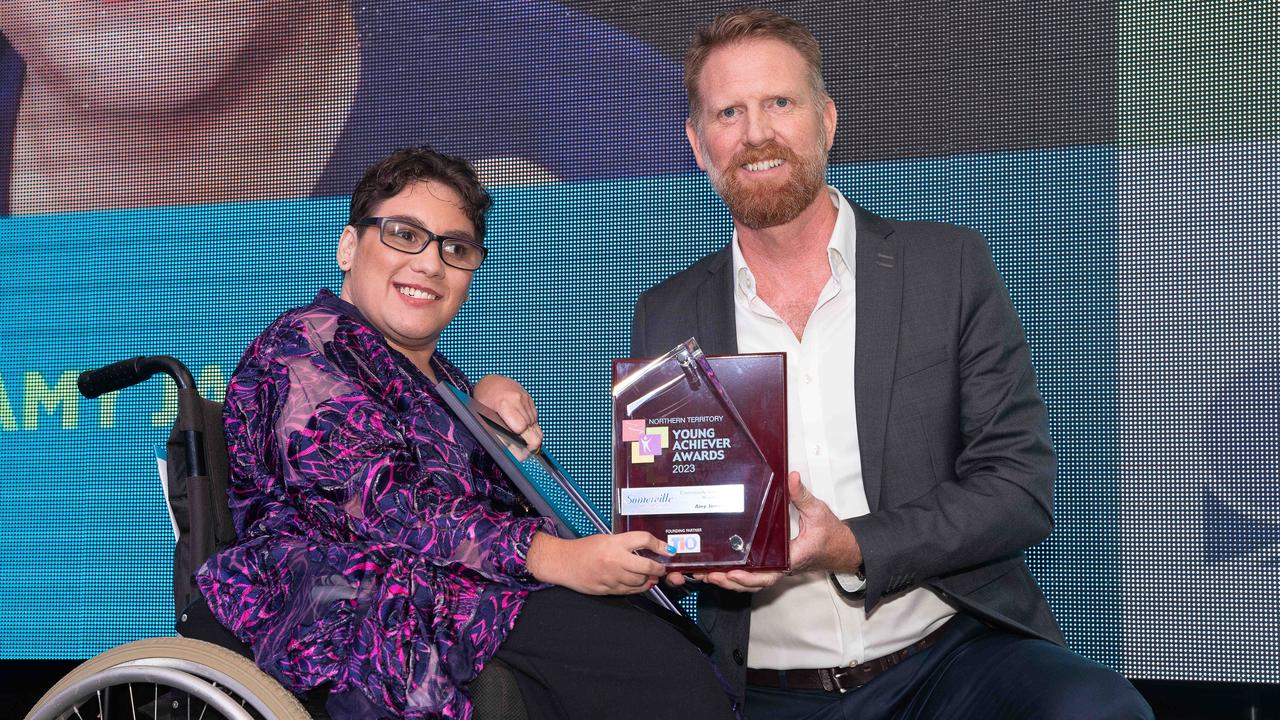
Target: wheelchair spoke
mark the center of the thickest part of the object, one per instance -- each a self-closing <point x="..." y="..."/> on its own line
<point x="222" y="690"/>
<point x="217" y="687"/>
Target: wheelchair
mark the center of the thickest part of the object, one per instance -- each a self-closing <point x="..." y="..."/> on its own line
<point x="205" y="671"/>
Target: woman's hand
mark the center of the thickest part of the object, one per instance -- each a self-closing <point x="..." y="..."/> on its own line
<point x="514" y="406"/>
<point x="597" y="564"/>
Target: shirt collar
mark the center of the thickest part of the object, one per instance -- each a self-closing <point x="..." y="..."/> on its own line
<point x="840" y="248"/>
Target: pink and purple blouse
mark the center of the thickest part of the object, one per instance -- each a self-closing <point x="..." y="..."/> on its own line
<point x="378" y="548"/>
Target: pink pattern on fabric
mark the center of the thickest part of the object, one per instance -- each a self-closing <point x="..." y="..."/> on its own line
<point x="379" y="549"/>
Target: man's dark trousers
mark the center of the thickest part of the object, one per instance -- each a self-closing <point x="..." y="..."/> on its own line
<point x="973" y="672"/>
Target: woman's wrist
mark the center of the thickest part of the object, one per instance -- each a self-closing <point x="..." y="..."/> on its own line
<point x="545" y="558"/>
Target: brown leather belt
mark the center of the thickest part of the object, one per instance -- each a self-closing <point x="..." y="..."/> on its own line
<point x="841" y="679"/>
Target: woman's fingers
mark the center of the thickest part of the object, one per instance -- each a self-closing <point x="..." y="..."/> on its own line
<point x="532" y="436"/>
<point x="514" y="406"/>
<point x="641" y="540"/>
<point x="648" y="548"/>
<point x="519" y="415"/>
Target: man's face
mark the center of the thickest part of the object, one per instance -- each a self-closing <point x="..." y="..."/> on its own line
<point x="761" y="134"/>
<point x="158" y="56"/>
<point x="409" y="298"/>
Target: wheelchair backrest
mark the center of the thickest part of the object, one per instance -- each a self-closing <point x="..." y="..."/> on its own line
<point x="217" y="528"/>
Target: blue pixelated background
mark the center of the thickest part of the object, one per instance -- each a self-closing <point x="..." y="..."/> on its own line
<point x="1120" y="157"/>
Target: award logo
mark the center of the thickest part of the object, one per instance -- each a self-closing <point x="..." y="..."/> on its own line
<point x="646" y="442"/>
<point x="687" y="542"/>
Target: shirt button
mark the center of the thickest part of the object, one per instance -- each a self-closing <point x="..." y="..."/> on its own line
<point x="817" y="449"/>
<point x="808" y="378"/>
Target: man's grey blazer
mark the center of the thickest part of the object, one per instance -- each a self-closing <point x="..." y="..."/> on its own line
<point x="954" y="437"/>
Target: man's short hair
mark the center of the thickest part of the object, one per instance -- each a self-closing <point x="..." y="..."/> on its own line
<point x="394" y="173"/>
<point x="743" y="25"/>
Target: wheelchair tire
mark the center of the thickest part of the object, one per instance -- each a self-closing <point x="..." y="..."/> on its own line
<point x="214" y="665"/>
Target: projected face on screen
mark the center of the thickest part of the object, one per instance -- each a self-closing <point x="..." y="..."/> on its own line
<point x="238" y="100"/>
<point x="144" y="57"/>
<point x="176" y="102"/>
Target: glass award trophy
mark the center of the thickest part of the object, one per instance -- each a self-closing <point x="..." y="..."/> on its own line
<point x="699" y="456"/>
<point x="551" y="492"/>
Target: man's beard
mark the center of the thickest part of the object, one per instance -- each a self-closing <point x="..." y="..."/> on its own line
<point x="766" y="204"/>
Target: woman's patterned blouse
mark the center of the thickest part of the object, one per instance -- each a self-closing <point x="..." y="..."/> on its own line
<point x="378" y="549"/>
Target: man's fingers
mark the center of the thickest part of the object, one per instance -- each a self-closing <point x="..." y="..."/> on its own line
<point x="800" y="495"/>
<point x="720" y="579"/>
<point x="756" y="580"/>
<point x="743" y="581"/>
<point x="809" y="505"/>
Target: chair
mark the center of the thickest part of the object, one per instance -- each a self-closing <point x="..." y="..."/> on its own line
<point x="205" y="671"/>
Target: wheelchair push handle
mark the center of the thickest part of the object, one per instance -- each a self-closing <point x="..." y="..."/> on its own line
<point x="125" y="373"/>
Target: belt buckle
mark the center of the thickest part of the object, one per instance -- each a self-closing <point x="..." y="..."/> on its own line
<point x="832" y="680"/>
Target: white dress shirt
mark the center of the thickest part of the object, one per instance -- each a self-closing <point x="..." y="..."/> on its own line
<point x="802" y="621"/>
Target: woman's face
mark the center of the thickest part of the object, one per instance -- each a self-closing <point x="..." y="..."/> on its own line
<point x="408" y="298"/>
<point x="140" y="57"/>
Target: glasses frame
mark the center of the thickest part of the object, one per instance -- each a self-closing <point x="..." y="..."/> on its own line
<point x="380" y="223"/>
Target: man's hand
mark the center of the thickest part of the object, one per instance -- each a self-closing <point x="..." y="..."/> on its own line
<point x="513" y="405"/>
<point x="823" y="543"/>
<point x="736" y="580"/>
<point x="597" y="564"/>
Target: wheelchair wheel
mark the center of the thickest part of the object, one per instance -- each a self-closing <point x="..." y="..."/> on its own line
<point x="163" y="678"/>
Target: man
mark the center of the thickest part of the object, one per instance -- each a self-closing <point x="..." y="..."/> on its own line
<point x="920" y="441"/>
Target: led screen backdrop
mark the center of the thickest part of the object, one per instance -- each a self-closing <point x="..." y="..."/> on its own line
<point x="173" y="176"/>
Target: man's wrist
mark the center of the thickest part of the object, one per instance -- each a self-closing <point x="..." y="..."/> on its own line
<point x="850" y="559"/>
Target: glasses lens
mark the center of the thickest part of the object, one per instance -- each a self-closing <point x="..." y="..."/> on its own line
<point x="402" y="236"/>
<point x="460" y="253"/>
<point x="405" y="237"/>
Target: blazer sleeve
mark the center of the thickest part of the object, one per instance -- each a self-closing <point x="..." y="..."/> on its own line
<point x="999" y="500"/>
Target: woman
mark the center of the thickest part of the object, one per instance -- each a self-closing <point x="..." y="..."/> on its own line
<point x="379" y="551"/>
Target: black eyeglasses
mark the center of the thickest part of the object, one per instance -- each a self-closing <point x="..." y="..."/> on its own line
<point x="411" y="238"/>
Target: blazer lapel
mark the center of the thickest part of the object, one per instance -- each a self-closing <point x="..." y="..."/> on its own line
<point x="879" y="308"/>
<point x="717" y="328"/>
